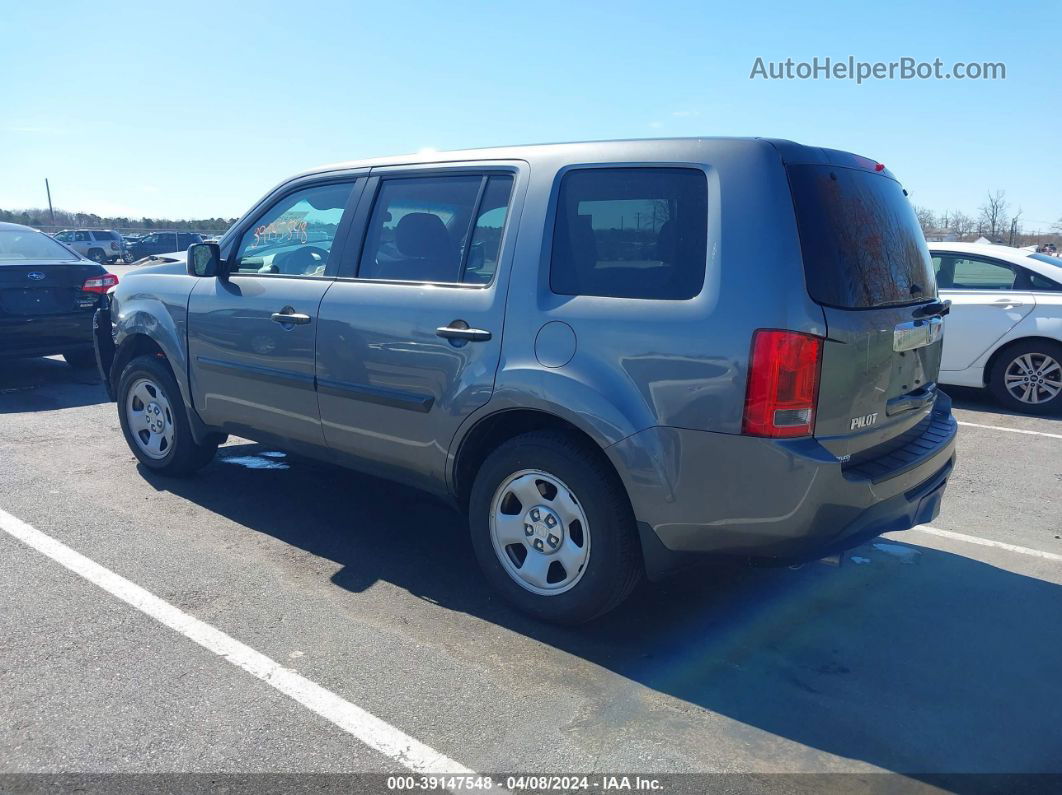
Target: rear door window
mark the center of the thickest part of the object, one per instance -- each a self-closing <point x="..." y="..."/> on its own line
<point x="631" y="233"/>
<point x="1038" y="282"/>
<point x="861" y="242"/>
<point x="443" y="229"/>
<point x="485" y="246"/>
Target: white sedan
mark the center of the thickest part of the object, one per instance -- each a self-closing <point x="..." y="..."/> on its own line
<point x="1004" y="331"/>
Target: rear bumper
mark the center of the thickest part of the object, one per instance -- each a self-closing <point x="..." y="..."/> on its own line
<point x="45" y="335"/>
<point x="790" y="500"/>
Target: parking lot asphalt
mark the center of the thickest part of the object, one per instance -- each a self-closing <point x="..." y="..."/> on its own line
<point x="924" y="653"/>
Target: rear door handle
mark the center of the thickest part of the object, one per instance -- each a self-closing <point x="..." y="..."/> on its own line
<point x="290" y="318"/>
<point x="1007" y="303"/>
<point x="453" y="332"/>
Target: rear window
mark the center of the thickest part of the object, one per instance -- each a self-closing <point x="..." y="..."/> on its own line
<point x="631" y="233"/>
<point x="19" y="244"/>
<point x="861" y="242"/>
<point x="1048" y="259"/>
<point x="105" y="235"/>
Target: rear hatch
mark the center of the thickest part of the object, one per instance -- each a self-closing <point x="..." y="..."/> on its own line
<point x="45" y="288"/>
<point x="866" y="264"/>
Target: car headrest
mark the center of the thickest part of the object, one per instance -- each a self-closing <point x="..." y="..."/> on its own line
<point x="667" y="242"/>
<point x="422" y="235"/>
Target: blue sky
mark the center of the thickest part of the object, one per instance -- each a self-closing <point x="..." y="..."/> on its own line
<point x="195" y="109"/>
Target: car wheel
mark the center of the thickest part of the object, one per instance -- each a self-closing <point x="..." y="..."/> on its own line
<point x="552" y="528"/>
<point x="80" y="360"/>
<point x="1027" y="377"/>
<point x="154" y="420"/>
<point x="97" y="255"/>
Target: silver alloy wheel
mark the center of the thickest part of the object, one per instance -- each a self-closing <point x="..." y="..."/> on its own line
<point x="1033" y="378"/>
<point x="539" y="532"/>
<point x="150" y="418"/>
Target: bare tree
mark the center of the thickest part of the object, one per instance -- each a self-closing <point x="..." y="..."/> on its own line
<point x="961" y="224"/>
<point x="926" y="219"/>
<point x="993" y="219"/>
<point x="1057" y="226"/>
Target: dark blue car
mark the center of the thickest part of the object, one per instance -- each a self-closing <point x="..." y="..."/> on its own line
<point x="48" y="294"/>
<point x="163" y="243"/>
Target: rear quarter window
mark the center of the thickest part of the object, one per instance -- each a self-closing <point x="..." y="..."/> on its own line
<point x="631" y="233"/>
<point x="861" y="242"/>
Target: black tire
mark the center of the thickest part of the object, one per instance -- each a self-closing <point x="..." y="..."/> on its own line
<point x="80" y="360"/>
<point x="614" y="566"/>
<point x="1008" y="356"/>
<point x="97" y="255"/>
<point x="185" y="456"/>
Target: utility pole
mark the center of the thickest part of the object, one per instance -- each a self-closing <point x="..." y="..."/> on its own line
<point x="51" y="212"/>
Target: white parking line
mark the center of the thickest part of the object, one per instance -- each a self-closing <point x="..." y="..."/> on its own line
<point x="366" y="727"/>
<point x="1012" y="430"/>
<point x="987" y="542"/>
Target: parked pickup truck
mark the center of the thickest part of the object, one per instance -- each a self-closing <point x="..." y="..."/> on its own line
<point x="616" y="357"/>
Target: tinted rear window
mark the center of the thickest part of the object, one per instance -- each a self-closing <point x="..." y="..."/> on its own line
<point x="1048" y="259"/>
<point x="105" y="235"/>
<point x="26" y="244"/>
<point x="631" y="233"/>
<point x="861" y="242"/>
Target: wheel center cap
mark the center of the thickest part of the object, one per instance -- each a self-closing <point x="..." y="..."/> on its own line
<point x="543" y="529"/>
<point x="156" y="420"/>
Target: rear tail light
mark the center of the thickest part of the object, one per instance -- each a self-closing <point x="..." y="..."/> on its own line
<point x="100" y="284"/>
<point x="783" y="385"/>
<point x="114" y="245"/>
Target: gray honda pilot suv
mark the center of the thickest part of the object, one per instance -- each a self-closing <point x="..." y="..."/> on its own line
<point x="616" y="357"/>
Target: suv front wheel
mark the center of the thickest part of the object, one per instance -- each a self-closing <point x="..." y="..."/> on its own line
<point x="154" y="420"/>
<point x="552" y="528"/>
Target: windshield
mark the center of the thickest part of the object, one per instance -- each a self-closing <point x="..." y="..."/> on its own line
<point x="28" y="244"/>
<point x="860" y="239"/>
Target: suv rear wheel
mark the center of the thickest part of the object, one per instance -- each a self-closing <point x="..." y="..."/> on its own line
<point x="154" y="420"/>
<point x="1027" y="377"/>
<point x="552" y="528"/>
<point x="97" y="255"/>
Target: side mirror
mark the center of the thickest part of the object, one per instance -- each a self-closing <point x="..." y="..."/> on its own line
<point x="204" y="260"/>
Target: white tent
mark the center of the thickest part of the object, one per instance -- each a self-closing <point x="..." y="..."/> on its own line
<point x="982" y="240"/>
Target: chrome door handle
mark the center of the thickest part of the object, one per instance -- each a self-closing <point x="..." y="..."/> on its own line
<point x="290" y="318"/>
<point x="468" y="334"/>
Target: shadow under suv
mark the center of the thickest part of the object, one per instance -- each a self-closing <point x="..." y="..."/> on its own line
<point x="616" y="357"/>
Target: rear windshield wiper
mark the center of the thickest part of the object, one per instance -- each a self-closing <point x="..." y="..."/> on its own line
<point x="937" y="308"/>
